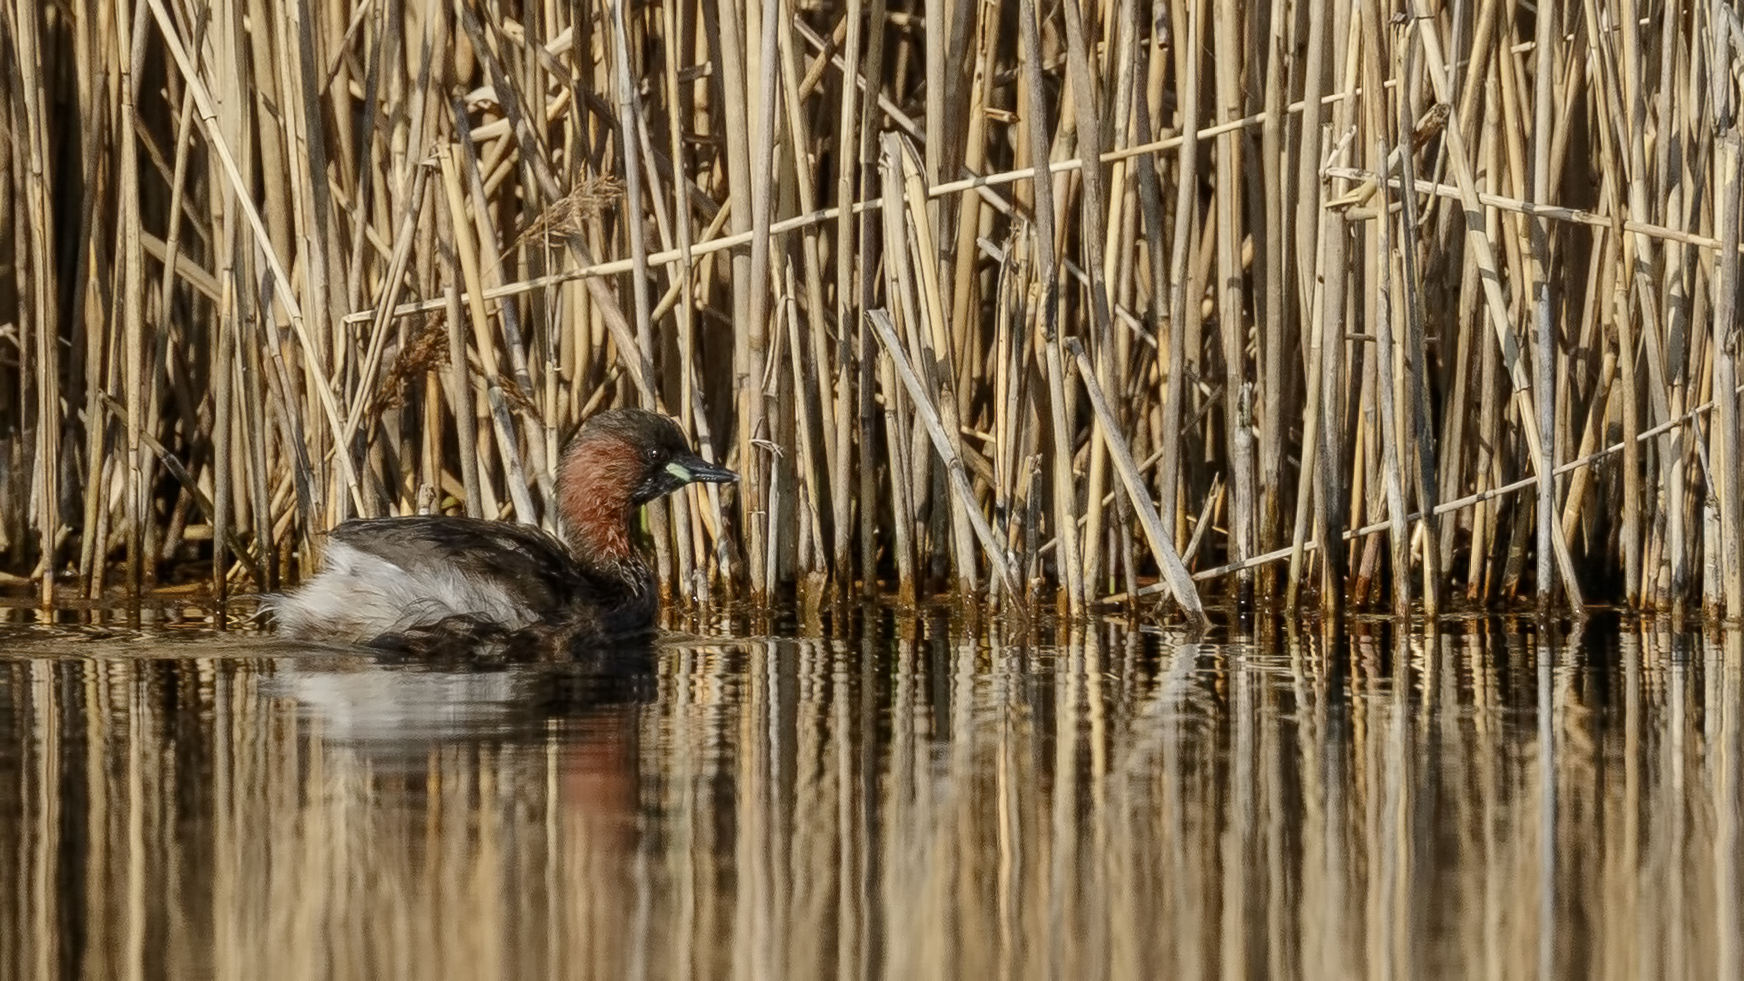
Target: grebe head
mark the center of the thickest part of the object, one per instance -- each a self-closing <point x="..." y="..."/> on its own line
<point x="619" y="460"/>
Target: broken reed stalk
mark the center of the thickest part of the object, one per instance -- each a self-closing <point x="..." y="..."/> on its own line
<point x="944" y="445"/>
<point x="1174" y="572"/>
<point x="1338" y="283"/>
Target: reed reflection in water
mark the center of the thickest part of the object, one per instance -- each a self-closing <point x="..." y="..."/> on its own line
<point x="924" y="802"/>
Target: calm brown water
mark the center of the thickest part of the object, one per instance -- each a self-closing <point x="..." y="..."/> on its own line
<point x="922" y="802"/>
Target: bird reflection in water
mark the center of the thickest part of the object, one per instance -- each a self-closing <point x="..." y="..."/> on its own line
<point x="413" y="717"/>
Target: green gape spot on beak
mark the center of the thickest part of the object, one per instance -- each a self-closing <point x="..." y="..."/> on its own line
<point x="688" y="468"/>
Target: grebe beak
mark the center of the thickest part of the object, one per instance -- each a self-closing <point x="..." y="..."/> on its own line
<point x="688" y="469"/>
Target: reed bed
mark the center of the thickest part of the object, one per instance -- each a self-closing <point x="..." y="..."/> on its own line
<point x="1279" y="305"/>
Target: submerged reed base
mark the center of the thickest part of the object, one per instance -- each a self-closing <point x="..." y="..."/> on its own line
<point x="1397" y="307"/>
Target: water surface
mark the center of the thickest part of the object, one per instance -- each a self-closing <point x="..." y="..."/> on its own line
<point x="921" y="801"/>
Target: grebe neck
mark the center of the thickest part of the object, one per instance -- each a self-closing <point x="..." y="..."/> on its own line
<point x="594" y="484"/>
<point x="605" y="546"/>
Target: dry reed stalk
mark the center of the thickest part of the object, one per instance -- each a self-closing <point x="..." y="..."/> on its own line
<point x="1647" y="274"/>
<point x="1309" y="238"/>
<point x="1543" y="334"/>
<point x="810" y="454"/>
<point x="1332" y="490"/>
<point x="466" y="250"/>
<point x="1186" y="221"/>
<point x="93" y="552"/>
<point x="933" y="350"/>
<point x="850" y="346"/>
<point x="132" y="293"/>
<point x="901" y="491"/>
<point x="968" y="288"/>
<point x="814" y="370"/>
<point x="945" y="446"/>
<point x="1730" y="449"/>
<point x="38" y="323"/>
<point x="1093" y="204"/>
<point x="693" y="559"/>
<point x="729" y="35"/>
<point x="1238" y="407"/>
<point x="1387" y="369"/>
<point x="1150" y="63"/>
<point x="459" y="387"/>
<point x="1278" y="326"/>
<point x="1418" y="419"/>
<point x="1174" y="572"/>
<point x="1064" y="491"/>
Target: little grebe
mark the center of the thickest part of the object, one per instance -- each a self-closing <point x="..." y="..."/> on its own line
<point x="434" y="581"/>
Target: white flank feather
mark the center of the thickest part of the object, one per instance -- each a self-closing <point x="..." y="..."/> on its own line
<point x="359" y="596"/>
